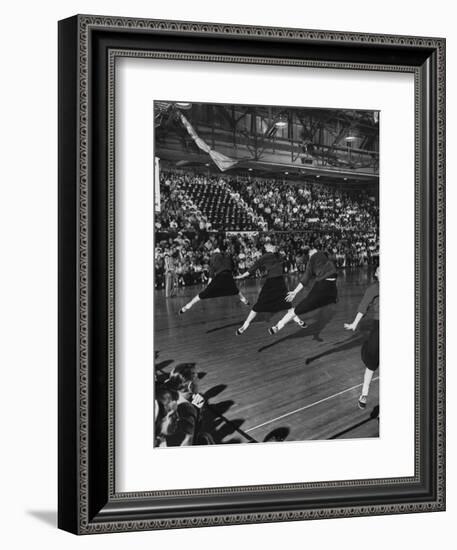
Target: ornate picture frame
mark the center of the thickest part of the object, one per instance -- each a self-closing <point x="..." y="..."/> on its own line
<point x="88" y="48"/>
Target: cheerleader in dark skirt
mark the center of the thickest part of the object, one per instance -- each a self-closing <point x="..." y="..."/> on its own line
<point x="221" y="282"/>
<point x="370" y="348"/>
<point x="272" y="297"/>
<point x="323" y="292"/>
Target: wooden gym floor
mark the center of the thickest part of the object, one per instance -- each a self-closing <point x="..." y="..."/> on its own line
<point x="299" y="384"/>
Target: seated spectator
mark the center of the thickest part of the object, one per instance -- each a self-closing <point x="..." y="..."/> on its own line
<point x="184" y="381"/>
<point x="166" y="414"/>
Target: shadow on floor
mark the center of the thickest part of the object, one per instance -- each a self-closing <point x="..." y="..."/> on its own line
<point x="45" y="516"/>
<point x="214" y="391"/>
<point x="163" y="364"/>
<point x="348" y="344"/>
<point x="214" y="420"/>
<point x="260" y="318"/>
<point x="325" y="315"/>
<point x="216" y="423"/>
<point x="231" y="325"/>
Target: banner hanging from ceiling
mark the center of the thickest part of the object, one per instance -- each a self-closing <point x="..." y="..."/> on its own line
<point x="220" y="160"/>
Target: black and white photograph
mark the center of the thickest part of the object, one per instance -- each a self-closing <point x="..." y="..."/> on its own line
<point x="267" y="273"/>
<point x="225" y="223"/>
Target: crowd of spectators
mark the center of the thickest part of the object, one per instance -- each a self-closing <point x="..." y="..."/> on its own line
<point x="223" y="208"/>
<point x="177" y="210"/>
<point x="292" y="214"/>
<point x="180" y="409"/>
<point x="190" y="256"/>
<point x="291" y="206"/>
<point x="195" y="202"/>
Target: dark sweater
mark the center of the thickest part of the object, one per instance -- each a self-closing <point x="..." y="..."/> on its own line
<point x="218" y="263"/>
<point x="272" y="264"/>
<point x="320" y="267"/>
<point x="187" y="424"/>
<point x="370" y="299"/>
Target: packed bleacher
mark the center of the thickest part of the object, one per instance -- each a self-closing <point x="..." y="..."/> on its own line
<point x="199" y="213"/>
<point x="296" y="206"/>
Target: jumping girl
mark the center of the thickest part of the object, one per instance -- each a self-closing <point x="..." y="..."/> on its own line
<point x="221" y="282"/>
<point x="322" y="293"/>
<point x="272" y="297"/>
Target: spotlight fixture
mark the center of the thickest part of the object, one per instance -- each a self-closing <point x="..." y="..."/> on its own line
<point x="345" y="179"/>
<point x="184" y="106"/>
<point x="350" y="138"/>
<point x="318" y="176"/>
<point x="281" y="121"/>
<point x="250" y="169"/>
<point x="287" y="173"/>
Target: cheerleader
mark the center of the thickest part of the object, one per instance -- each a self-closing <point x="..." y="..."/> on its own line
<point x="220" y="283"/>
<point x="370" y="348"/>
<point x="272" y="297"/>
<point x="323" y="292"/>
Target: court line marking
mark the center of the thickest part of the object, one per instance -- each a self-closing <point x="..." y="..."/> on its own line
<point x="306" y="407"/>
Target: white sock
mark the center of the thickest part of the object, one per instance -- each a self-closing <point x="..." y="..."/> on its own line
<point x="191" y="303"/>
<point x="249" y="319"/>
<point x="367" y="381"/>
<point x="283" y="322"/>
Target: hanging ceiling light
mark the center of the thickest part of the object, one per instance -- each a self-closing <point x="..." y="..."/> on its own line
<point x="350" y="138"/>
<point x="281" y="121"/>
<point x="184" y="106"/>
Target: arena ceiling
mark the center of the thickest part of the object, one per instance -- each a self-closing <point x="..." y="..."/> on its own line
<point x="271" y="140"/>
